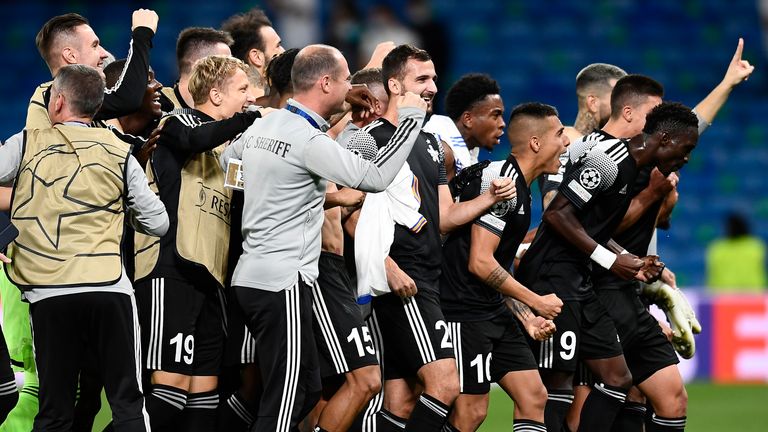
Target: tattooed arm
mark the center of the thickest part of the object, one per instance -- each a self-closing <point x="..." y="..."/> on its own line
<point x="537" y="327"/>
<point x="483" y="264"/>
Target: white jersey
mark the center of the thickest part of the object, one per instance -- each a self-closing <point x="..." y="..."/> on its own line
<point x="445" y="130"/>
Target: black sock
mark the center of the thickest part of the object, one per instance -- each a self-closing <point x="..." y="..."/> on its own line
<point x="318" y="429"/>
<point x="235" y="414"/>
<point x="558" y="404"/>
<point x="665" y="424"/>
<point x="388" y="422"/>
<point x="448" y="427"/>
<point x="630" y="419"/>
<point x="164" y="404"/>
<point x="200" y="412"/>
<point x="9" y="395"/>
<point x="525" y="425"/>
<point x="429" y="415"/>
<point x="601" y="407"/>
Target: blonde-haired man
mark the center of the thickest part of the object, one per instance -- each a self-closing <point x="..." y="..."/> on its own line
<point x="180" y="276"/>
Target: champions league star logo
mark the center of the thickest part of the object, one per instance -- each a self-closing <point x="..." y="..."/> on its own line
<point x="589" y="178"/>
<point x="501" y="208"/>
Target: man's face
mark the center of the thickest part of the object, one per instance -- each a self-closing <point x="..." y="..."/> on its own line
<point x="675" y="149"/>
<point x="235" y="94"/>
<point x="419" y="78"/>
<point x="487" y="121"/>
<point x="340" y="85"/>
<point x="272" y="44"/>
<point x="151" y="102"/>
<point x="640" y="112"/>
<point x="552" y="142"/>
<point x="88" y="49"/>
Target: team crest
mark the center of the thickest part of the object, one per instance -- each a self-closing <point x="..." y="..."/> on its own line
<point x="589" y="178"/>
<point x="434" y="153"/>
<point x="501" y="208"/>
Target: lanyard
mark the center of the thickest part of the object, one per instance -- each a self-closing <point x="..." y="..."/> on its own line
<point x="301" y="112"/>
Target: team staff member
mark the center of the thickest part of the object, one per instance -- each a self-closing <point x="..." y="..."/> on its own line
<point x="180" y="276"/>
<point x="69" y="267"/>
<point x="286" y="159"/>
<point x="488" y="344"/>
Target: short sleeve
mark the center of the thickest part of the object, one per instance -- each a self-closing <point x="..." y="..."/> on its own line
<point x="595" y="174"/>
<point x="496" y="218"/>
<point x="363" y="144"/>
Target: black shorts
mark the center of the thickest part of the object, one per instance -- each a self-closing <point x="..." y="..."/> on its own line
<point x="646" y="349"/>
<point x="240" y="346"/>
<point x="182" y="326"/>
<point x="343" y="339"/>
<point x="487" y="350"/>
<point x="584" y="331"/>
<point x="281" y="323"/>
<point x="413" y="330"/>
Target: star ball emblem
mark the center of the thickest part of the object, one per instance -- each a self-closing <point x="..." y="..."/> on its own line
<point x="589" y="178"/>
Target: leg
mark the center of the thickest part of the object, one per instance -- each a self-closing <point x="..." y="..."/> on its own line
<point x="57" y="324"/>
<point x="631" y="418"/>
<point x="89" y="400"/>
<point x="469" y="411"/>
<point x="666" y="392"/>
<point x="359" y="387"/>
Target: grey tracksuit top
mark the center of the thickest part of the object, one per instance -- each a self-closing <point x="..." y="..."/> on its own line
<point x="286" y="161"/>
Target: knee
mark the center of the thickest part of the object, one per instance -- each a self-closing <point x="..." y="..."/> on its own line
<point x="531" y="405"/>
<point x="679" y="404"/>
<point x="477" y="413"/>
<point x="366" y="380"/>
<point x="441" y="381"/>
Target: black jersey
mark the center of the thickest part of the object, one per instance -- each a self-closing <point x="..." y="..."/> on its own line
<point x="598" y="185"/>
<point x="419" y="254"/>
<point x="464" y="297"/>
<point x="182" y="136"/>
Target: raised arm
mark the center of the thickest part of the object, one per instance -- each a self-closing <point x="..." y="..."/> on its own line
<point x="126" y="95"/>
<point x="738" y="70"/>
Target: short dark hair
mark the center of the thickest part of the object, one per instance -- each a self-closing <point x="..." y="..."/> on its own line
<point x="245" y="29"/>
<point x="112" y="72"/>
<point x="670" y="117"/>
<point x="53" y="29"/>
<point x="467" y="92"/>
<point x="393" y="65"/>
<point x="597" y="76"/>
<point x="632" y="90"/>
<point x="194" y="43"/>
<point x="83" y="88"/>
<point x="535" y="110"/>
<point x="311" y="63"/>
<point x="370" y="76"/>
<point x="279" y="70"/>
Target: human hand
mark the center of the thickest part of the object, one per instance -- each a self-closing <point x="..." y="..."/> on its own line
<point x="627" y="266"/>
<point x="548" y="306"/>
<point x="381" y="51"/>
<point x="738" y="69"/>
<point x="411" y="100"/>
<point x="540" y="329"/>
<point x="145" y="18"/>
<point x="502" y="189"/>
<point x="400" y="283"/>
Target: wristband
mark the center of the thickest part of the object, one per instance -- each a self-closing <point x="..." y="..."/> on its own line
<point x="603" y="257"/>
<point x="623" y="252"/>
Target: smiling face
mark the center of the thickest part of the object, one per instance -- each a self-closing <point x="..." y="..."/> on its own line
<point x="235" y="96"/>
<point x="87" y="48"/>
<point x="273" y="45"/>
<point x="487" y="122"/>
<point x="419" y="77"/>
<point x="151" y="102"/>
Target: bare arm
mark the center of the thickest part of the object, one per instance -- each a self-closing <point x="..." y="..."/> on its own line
<point x="657" y="189"/>
<point x="483" y="264"/>
<point x="738" y="70"/>
<point x="454" y="215"/>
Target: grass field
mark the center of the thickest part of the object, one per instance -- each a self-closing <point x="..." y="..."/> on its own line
<point x="711" y="408"/>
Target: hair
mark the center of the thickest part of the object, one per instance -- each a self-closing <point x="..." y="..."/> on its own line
<point x="536" y="110"/>
<point x="670" y="117"/>
<point x="83" y="88"/>
<point x="311" y="63"/>
<point x="279" y="70"/>
<point x="596" y="78"/>
<point x="53" y="29"/>
<point x="632" y="90"/>
<point x="211" y="72"/>
<point x="245" y="29"/>
<point x="468" y="91"/>
<point x="370" y="76"/>
<point x="113" y="70"/>
<point x="736" y="226"/>
<point x="195" y="43"/>
<point x="393" y="65"/>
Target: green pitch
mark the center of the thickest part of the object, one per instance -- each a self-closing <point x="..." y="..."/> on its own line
<point x="742" y="408"/>
<point x="711" y="407"/>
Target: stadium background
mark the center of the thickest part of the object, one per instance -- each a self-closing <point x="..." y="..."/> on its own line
<point x="534" y="49"/>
